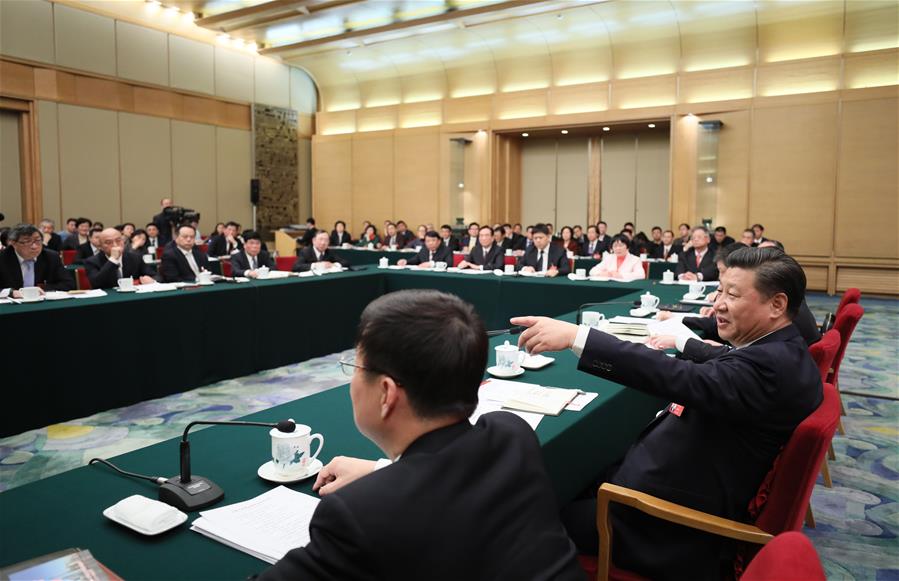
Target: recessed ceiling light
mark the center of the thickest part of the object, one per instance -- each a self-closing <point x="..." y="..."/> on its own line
<point x="564" y="132"/>
<point x="709" y="179"/>
<point x="652" y="125"/>
<point x="606" y="128"/>
<point x="171" y="11"/>
<point x="524" y="134"/>
<point x="223" y="38"/>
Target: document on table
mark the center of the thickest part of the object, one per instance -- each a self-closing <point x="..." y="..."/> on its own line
<point x="266" y="527"/>
<point x="486" y="406"/>
<point x="527" y="397"/>
<point x="91" y="294"/>
<point x="672" y="326"/>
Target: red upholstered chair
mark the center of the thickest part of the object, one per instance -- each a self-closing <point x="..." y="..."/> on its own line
<point x="850" y="297"/>
<point x="81" y="278"/>
<point x="789" y="556"/>
<point x="645" y="269"/>
<point x="68" y="256"/>
<point x="204" y="248"/>
<point x="159" y="250"/>
<point x="824" y="352"/>
<point x="509" y="260"/>
<point x="226" y="267"/>
<point x="845" y="323"/>
<point x="285" y="262"/>
<point x="780" y="505"/>
<point x="457" y="258"/>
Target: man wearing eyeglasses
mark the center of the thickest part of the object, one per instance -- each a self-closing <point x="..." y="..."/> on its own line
<point x="455" y="500"/>
<point x="26" y="263"/>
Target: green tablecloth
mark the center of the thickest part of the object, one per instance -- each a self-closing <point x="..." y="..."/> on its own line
<point x="362" y="257"/>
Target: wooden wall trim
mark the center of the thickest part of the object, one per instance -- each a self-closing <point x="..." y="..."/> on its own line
<point x="29" y="158"/>
<point x="48" y="83"/>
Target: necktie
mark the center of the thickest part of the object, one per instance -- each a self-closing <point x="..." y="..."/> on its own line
<point x="120" y="266"/>
<point x="698" y="260"/>
<point x="592" y="247"/>
<point x="28" y="273"/>
<point x="539" y="260"/>
<point x="253" y="263"/>
<point x="431" y="257"/>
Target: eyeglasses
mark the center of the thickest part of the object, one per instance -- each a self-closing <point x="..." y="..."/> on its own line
<point x="349" y="367"/>
<point x="33" y="242"/>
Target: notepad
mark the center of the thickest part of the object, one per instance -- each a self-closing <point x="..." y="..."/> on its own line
<point x="527" y="397"/>
<point x="266" y="527"/>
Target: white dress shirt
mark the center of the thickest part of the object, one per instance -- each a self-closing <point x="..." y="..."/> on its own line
<point x="191" y="261"/>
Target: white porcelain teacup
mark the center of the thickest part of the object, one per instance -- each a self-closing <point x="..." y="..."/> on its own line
<point x="205" y="277"/>
<point x="509" y="268"/>
<point x="644" y="256"/>
<point x="649" y="301"/>
<point x="440" y="266"/>
<point x="291" y="451"/>
<point x="383" y="262"/>
<point x="509" y="357"/>
<point x="262" y="272"/>
<point x="697" y="288"/>
<point x="126" y="283"/>
<point x="580" y="272"/>
<point x="668" y="276"/>
<point x="30" y="293"/>
<point x="592" y="319"/>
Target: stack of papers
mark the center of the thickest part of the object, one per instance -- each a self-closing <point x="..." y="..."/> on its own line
<point x="91" y="294"/>
<point x="635" y="329"/>
<point x="155" y="287"/>
<point x="266" y="527"/>
<point x="526" y="397"/>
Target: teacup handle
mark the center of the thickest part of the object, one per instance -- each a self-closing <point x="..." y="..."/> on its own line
<point x="321" y="444"/>
<point x="655" y="302"/>
<point x="521" y="357"/>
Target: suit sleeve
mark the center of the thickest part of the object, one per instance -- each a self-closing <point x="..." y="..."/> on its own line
<point x="336" y="550"/>
<point x="681" y="267"/>
<point x="731" y="388"/>
<point x="707" y="325"/>
<point x="807" y="325"/>
<point x="237" y="268"/>
<point x="709" y="269"/>
<point x="341" y="261"/>
<point x="563" y="264"/>
<point x="700" y="351"/>
<point x="498" y="260"/>
<point x="168" y="270"/>
<point x="106" y="276"/>
<point x="302" y="264"/>
<point x="59" y="278"/>
<point x="415" y="258"/>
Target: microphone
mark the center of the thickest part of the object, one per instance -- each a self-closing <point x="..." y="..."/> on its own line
<point x="511" y="331"/>
<point x="188" y="492"/>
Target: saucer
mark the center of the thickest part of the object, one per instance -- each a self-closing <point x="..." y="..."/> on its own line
<point x="37" y="300"/>
<point x="664" y="282"/>
<point x="267" y="472"/>
<point x="536" y="361"/>
<point x="126" y="290"/>
<point x="210" y="283"/>
<point x="642" y="312"/>
<point x="496" y="372"/>
<point x="694" y="296"/>
<point x="601" y="278"/>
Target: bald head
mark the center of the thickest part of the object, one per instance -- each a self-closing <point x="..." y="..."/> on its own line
<point x="110" y="238"/>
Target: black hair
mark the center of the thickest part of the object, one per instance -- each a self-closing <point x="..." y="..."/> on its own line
<point x="93" y="230"/>
<point x="470" y="224"/>
<point x="432" y="344"/>
<point x="232" y="223"/>
<point x="654" y="228"/>
<point x="775" y="272"/>
<point x="310" y="220"/>
<point x="486" y="227"/>
<point x="759" y="226"/>
<point x="540" y="228"/>
<point x="81" y="221"/>
<point x="620" y="238"/>
<point x="20" y="230"/>
<point x="254" y="235"/>
<point x="432" y="234"/>
<point x="721" y="229"/>
<point x="601" y="222"/>
<point x="725" y="251"/>
<point x="185" y="225"/>
<point x="445" y="227"/>
<point x="340" y="222"/>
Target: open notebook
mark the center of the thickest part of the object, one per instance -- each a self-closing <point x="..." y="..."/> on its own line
<point x="527" y="397"/>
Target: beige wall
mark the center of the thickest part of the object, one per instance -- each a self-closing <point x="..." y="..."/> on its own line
<point x="10" y="172"/>
<point x="635" y="178"/>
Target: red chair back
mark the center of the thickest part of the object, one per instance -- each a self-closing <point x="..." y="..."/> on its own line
<point x="509" y="260"/>
<point x="84" y="283"/>
<point x="824" y="352"/>
<point x="645" y="269"/>
<point x="787" y="557"/>
<point x="159" y="252"/>
<point x="285" y="262"/>
<point x="204" y="248"/>
<point x="850" y="297"/>
<point x="226" y="267"/>
<point x="457" y="258"/>
<point x="845" y="324"/>
<point x="789" y="484"/>
<point x="68" y="256"/>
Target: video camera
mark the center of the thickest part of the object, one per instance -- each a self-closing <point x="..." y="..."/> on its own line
<point x="179" y="215"/>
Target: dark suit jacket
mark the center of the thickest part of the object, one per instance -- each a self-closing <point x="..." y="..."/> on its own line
<point x="557" y="258"/>
<point x="463" y="503"/>
<point x="659" y="251"/>
<point x="84" y="252"/>
<point x="218" y="245"/>
<point x="714" y="246"/>
<point x="71" y="243"/>
<point x="55" y="243"/>
<point x="104" y="274"/>
<point x="442" y="254"/>
<point x="306" y="258"/>
<point x="519" y="241"/>
<point x="339" y="239"/>
<point x="739" y="410"/>
<point x="453" y="244"/>
<point x="687" y="263"/>
<point x="804" y="322"/>
<point x="49" y="271"/>
<point x="492" y="261"/>
<point x="175" y="268"/>
<point x="598" y="249"/>
<point x="164" y="227"/>
<point x="240" y="263"/>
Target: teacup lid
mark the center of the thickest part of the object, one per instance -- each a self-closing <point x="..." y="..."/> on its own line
<point x="507" y="347"/>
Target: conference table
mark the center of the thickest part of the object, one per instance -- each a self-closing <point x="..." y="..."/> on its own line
<point x="65" y="510"/>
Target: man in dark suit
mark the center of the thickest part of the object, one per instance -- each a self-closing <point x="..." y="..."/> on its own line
<point x="51" y="238"/>
<point x="433" y="251"/>
<point x="25" y="262"/>
<point x="450" y="241"/>
<point x="667" y="247"/>
<point x="165" y="225"/>
<point x="80" y="236"/>
<point x="470" y="240"/>
<point x="252" y="257"/>
<point x="592" y="246"/>
<point x="544" y="256"/>
<point x="733" y="413"/>
<point x="758" y="234"/>
<point x="486" y="255"/>
<point x="113" y="262"/>
<point x="605" y="240"/>
<point x="404" y="236"/>
<point x="91" y="247"/>
<point x="697" y="263"/>
<point x="453" y="501"/>
<point x="720" y="239"/>
<point x="226" y="243"/>
<point x="319" y="253"/>
<point x="501" y="239"/>
<point x="339" y="235"/>
<point x="181" y="260"/>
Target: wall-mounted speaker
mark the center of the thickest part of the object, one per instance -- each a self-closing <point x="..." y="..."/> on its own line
<point x="254" y="191"/>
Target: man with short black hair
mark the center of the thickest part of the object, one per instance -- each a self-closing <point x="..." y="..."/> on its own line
<point x="758" y="234"/>
<point x="309" y="234"/>
<point x="105" y="268"/>
<point x="69" y="230"/>
<point x="432" y="252"/>
<point x="605" y="240"/>
<point x="720" y="239"/>
<point x="182" y="261"/>
<point x="486" y="254"/>
<point x="592" y="247"/>
<point x="165" y="225"/>
<point x="391" y="239"/>
<point x="455" y="501"/>
<point x="252" y="257"/>
<point x="450" y="241"/>
<point x="544" y="256"/>
<point x="470" y="240"/>
<point x="91" y="247"/>
<point x="26" y="262"/>
<point x="318" y="253"/>
<point x="153" y="240"/>
<point x="667" y="248"/>
<point x="697" y="263"/>
<point x="733" y="414"/>
<point x="80" y="236"/>
<point x="226" y="243"/>
<point x="655" y="241"/>
<point x="403" y="235"/>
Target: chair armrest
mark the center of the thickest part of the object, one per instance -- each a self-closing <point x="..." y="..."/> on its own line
<point x="668" y="511"/>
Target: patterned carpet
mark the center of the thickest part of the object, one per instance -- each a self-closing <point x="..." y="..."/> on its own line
<point x="857" y="519"/>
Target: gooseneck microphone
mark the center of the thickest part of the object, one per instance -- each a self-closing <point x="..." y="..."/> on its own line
<point x="511" y="331"/>
<point x="186" y="491"/>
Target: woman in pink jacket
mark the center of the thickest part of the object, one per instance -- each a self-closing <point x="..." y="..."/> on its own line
<point x="619" y="264"/>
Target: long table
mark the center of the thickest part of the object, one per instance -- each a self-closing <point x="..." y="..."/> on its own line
<point x="65" y="510"/>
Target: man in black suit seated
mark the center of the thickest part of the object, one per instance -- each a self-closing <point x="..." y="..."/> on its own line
<point x="470" y="240"/>
<point x="404" y="236"/>
<point x="486" y="255"/>
<point x="51" y="238"/>
<point x="446" y="236"/>
<point x="25" y="262"/>
<point x="339" y="235"/>
<point x="605" y="240"/>
<point x="592" y="246"/>
<point x="747" y="237"/>
<point x="667" y="247"/>
<point x="181" y="260"/>
<point x="544" y="256"/>
<point x="252" y="257"/>
<point x="712" y="450"/>
<point x="697" y="263"/>
<point x="720" y="239"/>
<point x="91" y="247"/>
<point x="500" y="238"/>
<point x="226" y="243"/>
<point x="758" y="234"/>
<point x="655" y="240"/>
<point x="453" y="501"/>
<point x="113" y="262"/>
<point x="318" y="253"/>
<point x="432" y="252"/>
<point x="80" y="236"/>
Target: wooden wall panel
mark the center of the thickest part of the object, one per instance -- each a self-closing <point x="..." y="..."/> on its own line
<point x="538" y="180"/>
<point x="416" y="171"/>
<point x="16" y="80"/>
<point x="192" y="65"/>
<point x="272" y="82"/>
<point x="792" y="172"/>
<point x="194" y="171"/>
<point x="652" y="191"/>
<point x="145" y="153"/>
<point x="815" y="277"/>
<point x="89" y="163"/>
<point x="142" y="54"/>
<point x="10" y="168"/>
<point x="733" y="171"/>
<point x="619" y="175"/>
<point x="868" y="186"/>
<point x="84" y="41"/>
<point x="717" y="85"/>
<point x="233" y="74"/>
<point x="520" y="104"/>
<point x="873" y="280"/>
<point x="376" y="119"/>
<point x="34" y="41"/>
<point x="48" y="138"/>
<point x="373" y="178"/>
<point x="579" y="99"/>
<point x="466" y="110"/>
<point x="646" y="92"/>
<point x="332" y="182"/>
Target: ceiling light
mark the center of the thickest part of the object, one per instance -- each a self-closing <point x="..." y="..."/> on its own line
<point x="237" y="42"/>
<point x="564" y="132"/>
<point x="189" y="17"/>
<point x="606" y="128"/>
<point x="709" y="179"/>
<point x="153" y="5"/>
<point x="652" y="125"/>
<point x="524" y="134"/>
<point x="171" y="11"/>
<point x="223" y="38"/>
<point x="253" y="46"/>
<point x="461" y="185"/>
